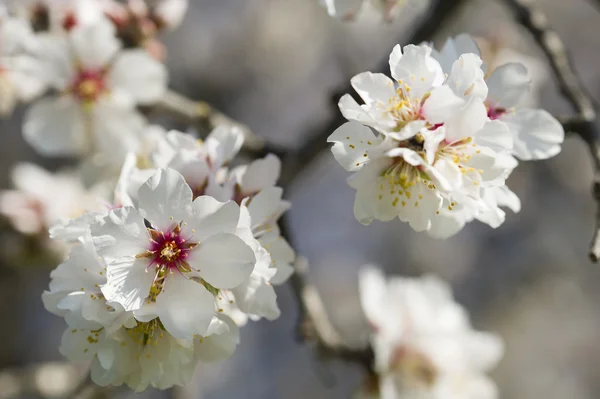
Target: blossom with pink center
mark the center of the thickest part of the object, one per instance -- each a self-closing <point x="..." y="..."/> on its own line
<point x="170" y="255"/>
<point x="99" y="86"/>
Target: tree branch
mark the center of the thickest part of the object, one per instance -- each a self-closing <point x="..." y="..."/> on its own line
<point x="584" y="123"/>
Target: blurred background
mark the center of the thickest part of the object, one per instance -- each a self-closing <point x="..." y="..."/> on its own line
<point x="274" y="65"/>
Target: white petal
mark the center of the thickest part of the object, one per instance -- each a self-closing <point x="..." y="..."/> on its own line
<point x="210" y="217"/>
<point x="373" y="88"/>
<point x="117" y="130"/>
<point x="185" y="307"/>
<point x="507" y="85"/>
<point x="261" y="174"/>
<point x="343" y="8"/>
<point x="128" y="282"/>
<point x="454" y="48"/>
<point x="467" y="121"/>
<point x="352" y="141"/>
<point x="77" y="346"/>
<point x="55" y="126"/>
<point x="441" y="105"/>
<point x="264" y="206"/>
<point x="140" y="75"/>
<point x="538" y="134"/>
<point x="256" y="296"/>
<point x="416" y="68"/>
<point x="223" y="144"/>
<point x="355" y="112"/>
<point x="373" y="291"/>
<point x="467" y="77"/>
<point x="495" y="135"/>
<point x="223" y="260"/>
<point x="81" y="270"/>
<point x="121" y="233"/>
<point x="221" y="343"/>
<point x="95" y="44"/>
<point x="165" y="199"/>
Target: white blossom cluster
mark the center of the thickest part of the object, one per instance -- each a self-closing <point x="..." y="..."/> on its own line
<point x="433" y="146"/>
<point x="184" y="257"/>
<point x="423" y="341"/>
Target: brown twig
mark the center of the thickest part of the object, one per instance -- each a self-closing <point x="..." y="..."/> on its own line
<point x="584" y="123"/>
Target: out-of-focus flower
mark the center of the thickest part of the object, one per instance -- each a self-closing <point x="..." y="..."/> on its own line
<point x="42" y="199"/>
<point x="123" y="350"/>
<point x="99" y="86"/>
<point x="348" y="9"/>
<point x="423" y="341"/>
<point x="536" y="133"/>
<point x="19" y="69"/>
<point x="435" y="144"/>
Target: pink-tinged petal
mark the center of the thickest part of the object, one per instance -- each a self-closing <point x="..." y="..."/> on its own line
<point x="538" y="135"/>
<point x="223" y="260"/>
<point x="122" y="233"/>
<point x="507" y="85"/>
<point x="210" y="217"/>
<point x="416" y="68"/>
<point x="260" y="174"/>
<point x="128" y="282"/>
<point x="185" y="307"/>
<point x="136" y="72"/>
<point x="165" y="199"/>
<point x="94" y="45"/>
<point x="374" y="88"/>
<point x="56" y="126"/>
<point x="353" y="142"/>
<point x="442" y="105"/>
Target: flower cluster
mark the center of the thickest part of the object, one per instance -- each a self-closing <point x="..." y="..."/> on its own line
<point x="424" y="344"/>
<point x="166" y="277"/>
<point x="434" y="145"/>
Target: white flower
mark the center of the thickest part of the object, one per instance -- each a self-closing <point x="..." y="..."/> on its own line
<point x="435" y="142"/>
<point x="42" y="199"/>
<point x="123" y="350"/>
<point x="19" y="69"/>
<point x="536" y="133"/>
<point x="424" y="344"/>
<point x="99" y="85"/>
<point x="170" y="13"/>
<point x="348" y="9"/>
<point x="173" y="268"/>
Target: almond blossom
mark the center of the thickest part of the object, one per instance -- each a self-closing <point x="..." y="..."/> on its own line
<point x="421" y="141"/>
<point x="99" y="85"/>
<point x="536" y="133"/>
<point x="168" y="257"/>
<point x="424" y="344"/>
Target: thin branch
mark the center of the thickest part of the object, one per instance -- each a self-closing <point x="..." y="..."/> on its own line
<point x="584" y="123"/>
<point x="203" y="116"/>
<point x="439" y="12"/>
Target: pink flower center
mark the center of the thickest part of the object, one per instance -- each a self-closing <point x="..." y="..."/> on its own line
<point x="169" y="250"/>
<point x="495" y="113"/>
<point x="89" y="85"/>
